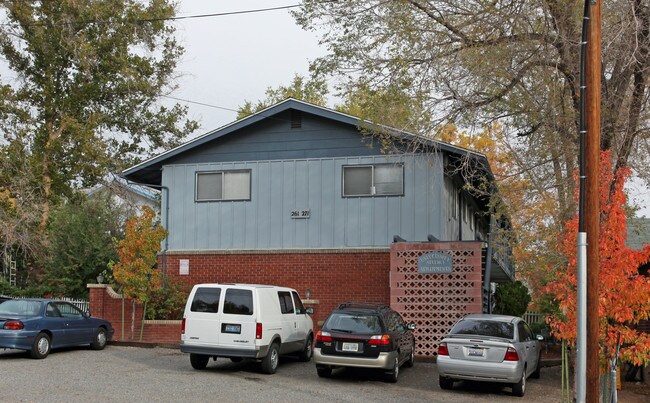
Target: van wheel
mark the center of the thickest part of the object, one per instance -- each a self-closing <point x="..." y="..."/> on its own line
<point x="199" y="361"/>
<point x="270" y="362"/>
<point x="306" y="353"/>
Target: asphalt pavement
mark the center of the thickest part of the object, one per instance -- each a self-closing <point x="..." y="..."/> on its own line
<point x="135" y="374"/>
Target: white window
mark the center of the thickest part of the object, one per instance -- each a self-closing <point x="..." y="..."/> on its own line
<point x="223" y="185"/>
<point x="373" y="180"/>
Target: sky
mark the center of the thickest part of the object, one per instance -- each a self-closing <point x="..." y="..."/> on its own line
<point x="234" y="58"/>
<point x="231" y="59"/>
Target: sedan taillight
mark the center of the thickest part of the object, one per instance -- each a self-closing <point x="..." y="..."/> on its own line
<point x="442" y="349"/>
<point x="323" y="337"/>
<point x="511" y="355"/>
<point x="14" y="325"/>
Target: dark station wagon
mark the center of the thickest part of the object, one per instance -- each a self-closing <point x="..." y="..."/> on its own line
<point x="368" y="335"/>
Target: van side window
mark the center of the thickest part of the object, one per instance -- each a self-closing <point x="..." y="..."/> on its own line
<point x="206" y="300"/>
<point x="300" y="308"/>
<point x="238" y="302"/>
<point x="286" y="306"/>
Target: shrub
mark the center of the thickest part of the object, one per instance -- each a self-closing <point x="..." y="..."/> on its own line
<point x="511" y="299"/>
<point x="168" y="303"/>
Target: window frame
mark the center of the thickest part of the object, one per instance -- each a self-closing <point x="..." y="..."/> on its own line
<point x="372" y="179"/>
<point x="223" y="173"/>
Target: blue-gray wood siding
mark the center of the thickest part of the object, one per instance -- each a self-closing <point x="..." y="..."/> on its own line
<point x="279" y="186"/>
<point x="274" y="139"/>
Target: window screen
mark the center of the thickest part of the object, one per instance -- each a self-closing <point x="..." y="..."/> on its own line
<point x="238" y="302"/>
<point x="373" y="180"/>
<point x="223" y="185"/>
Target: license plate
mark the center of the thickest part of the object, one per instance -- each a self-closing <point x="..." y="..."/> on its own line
<point x="228" y="328"/>
<point x="350" y="347"/>
<point x="475" y="352"/>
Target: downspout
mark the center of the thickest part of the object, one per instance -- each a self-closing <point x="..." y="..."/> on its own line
<point x="488" y="264"/>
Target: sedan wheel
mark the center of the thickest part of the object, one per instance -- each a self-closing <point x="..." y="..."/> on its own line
<point x="41" y="347"/>
<point x="519" y="388"/>
<point x="99" y="342"/>
<point x="445" y="383"/>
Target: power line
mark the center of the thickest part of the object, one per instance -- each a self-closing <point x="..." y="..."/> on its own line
<point x="182" y="17"/>
<point x="201" y="103"/>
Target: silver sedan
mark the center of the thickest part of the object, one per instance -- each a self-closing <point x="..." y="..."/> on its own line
<point x="491" y="348"/>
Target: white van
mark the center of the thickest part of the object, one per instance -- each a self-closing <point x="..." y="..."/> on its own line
<point x="245" y="321"/>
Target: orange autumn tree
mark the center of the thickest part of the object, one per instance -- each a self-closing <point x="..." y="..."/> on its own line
<point x="623" y="293"/>
<point x="529" y="205"/>
<point x="135" y="270"/>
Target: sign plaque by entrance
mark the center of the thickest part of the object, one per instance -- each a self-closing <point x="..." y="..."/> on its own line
<point x="434" y="263"/>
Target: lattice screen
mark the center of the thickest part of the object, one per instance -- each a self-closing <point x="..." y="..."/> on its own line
<point x="435" y="301"/>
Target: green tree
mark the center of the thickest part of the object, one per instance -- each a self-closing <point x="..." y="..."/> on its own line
<point x="511" y="299"/>
<point x="313" y="91"/>
<point x="87" y="75"/>
<point x="473" y="63"/>
<point x="81" y="237"/>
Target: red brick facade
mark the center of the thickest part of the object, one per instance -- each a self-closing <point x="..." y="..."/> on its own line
<point x="331" y="276"/>
<point x="434" y="302"/>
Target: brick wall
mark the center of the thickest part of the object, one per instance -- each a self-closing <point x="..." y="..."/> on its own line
<point x="435" y="301"/>
<point x="332" y="276"/>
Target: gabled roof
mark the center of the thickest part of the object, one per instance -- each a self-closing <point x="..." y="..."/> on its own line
<point x="154" y="164"/>
<point x="115" y="180"/>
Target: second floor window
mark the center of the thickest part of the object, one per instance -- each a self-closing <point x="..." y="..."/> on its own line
<point x="223" y="185"/>
<point x="373" y="180"/>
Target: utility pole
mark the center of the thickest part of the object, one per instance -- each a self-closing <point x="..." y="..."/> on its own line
<point x="592" y="207"/>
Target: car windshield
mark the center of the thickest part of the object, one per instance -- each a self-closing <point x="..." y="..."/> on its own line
<point x="351" y="323"/>
<point x="19" y="307"/>
<point x="479" y="327"/>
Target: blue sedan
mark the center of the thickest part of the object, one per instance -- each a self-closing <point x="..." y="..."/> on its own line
<point x="38" y="325"/>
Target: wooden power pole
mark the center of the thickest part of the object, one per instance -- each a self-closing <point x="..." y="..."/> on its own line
<point x="592" y="207"/>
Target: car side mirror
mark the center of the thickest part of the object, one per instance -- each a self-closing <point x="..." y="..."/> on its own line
<point x="86" y="314"/>
<point x="540" y="337"/>
<point x="411" y="326"/>
<point x="309" y="310"/>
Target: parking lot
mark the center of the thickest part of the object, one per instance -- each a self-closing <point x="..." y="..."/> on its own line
<point x="123" y="374"/>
